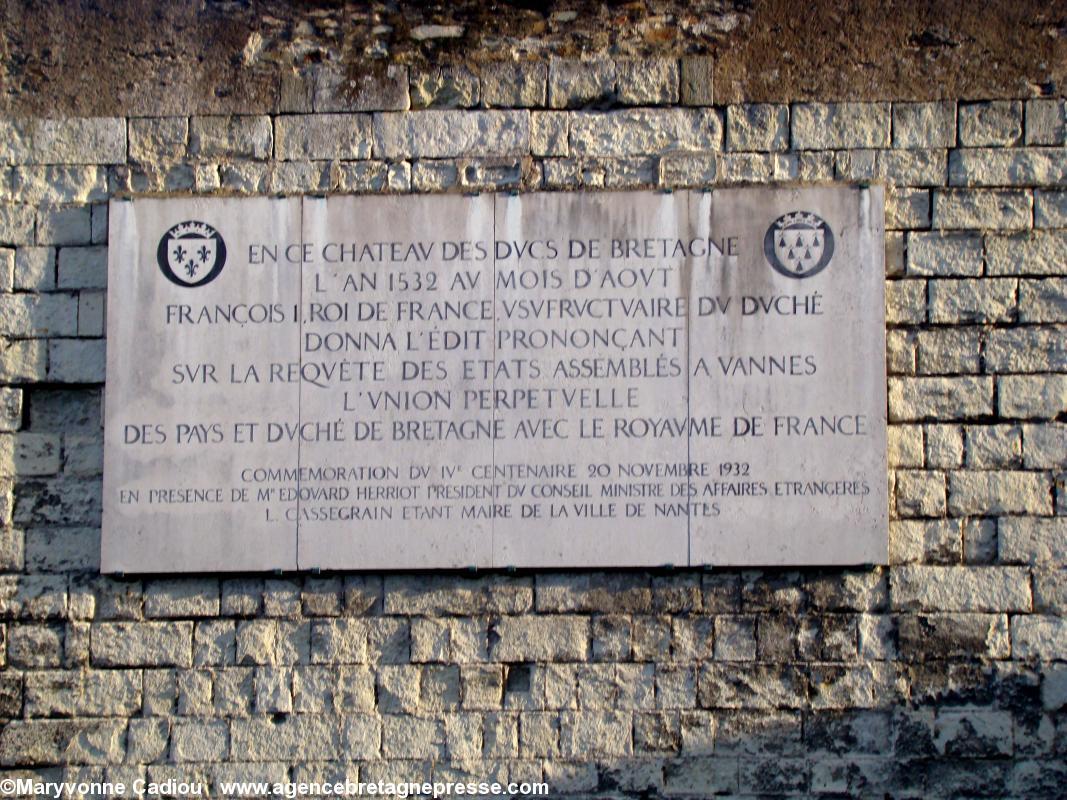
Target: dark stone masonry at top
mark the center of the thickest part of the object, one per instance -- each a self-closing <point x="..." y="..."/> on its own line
<point x="941" y="673"/>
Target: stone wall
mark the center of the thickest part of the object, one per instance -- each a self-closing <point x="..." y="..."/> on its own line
<point x="941" y="675"/>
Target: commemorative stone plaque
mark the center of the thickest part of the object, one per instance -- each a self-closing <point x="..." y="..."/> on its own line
<point x="543" y="380"/>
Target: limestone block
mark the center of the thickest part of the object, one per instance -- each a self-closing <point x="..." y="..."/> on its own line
<point x="337" y="88"/>
<point x="449" y="134"/>
<point x="940" y="589"/>
<point x="445" y="87"/>
<point x="117" y="644"/>
<point x="647" y="81"/>
<point x="536" y="638"/>
<point x="158" y="138"/>
<point x="995" y="493"/>
<point x="914" y="399"/>
<point x="1026" y="349"/>
<point x="82" y="268"/>
<point x="522" y="84"/>
<point x="826" y="126"/>
<point x="596" y="733"/>
<point x="944" y="254"/>
<point x="1031" y="166"/>
<point x="38" y="314"/>
<point x="757" y="126"/>
<point x="645" y="131"/>
<point x="182" y="598"/>
<point x="405" y="736"/>
<point x="697" y="81"/>
<point x="341" y="641"/>
<point x="993" y="446"/>
<point x="920" y="493"/>
<point x="16" y="223"/>
<point x="924" y="124"/>
<point x="1050" y="208"/>
<point x="1037" y="253"/>
<point x="62" y="742"/>
<point x="231" y="137"/>
<point x="76" y="360"/>
<point x="322" y="136"/>
<point x="64" y="225"/>
<point x="1032" y="540"/>
<point x="995" y="123"/>
<point x="54" y="185"/>
<point x="549" y="133"/>
<point x="1044" y="446"/>
<point x="35" y="268"/>
<point x="78" y="140"/>
<point x="1045" y="121"/>
<point x="1031" y="396"/>
<point x="593" y="592"/>
<point x="300" y="737"/>
<point x="984" y="300"/>
<point x="982" y="209"/>
<point x="1040" y="637"/>
<point x="575" y="84"/>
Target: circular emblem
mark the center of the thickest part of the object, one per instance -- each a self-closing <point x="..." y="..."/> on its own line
<point x="799" y="245"/>
<point x="191" y="254"/>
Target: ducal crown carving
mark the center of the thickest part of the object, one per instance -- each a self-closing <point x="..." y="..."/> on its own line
<point x="800" y="218"/>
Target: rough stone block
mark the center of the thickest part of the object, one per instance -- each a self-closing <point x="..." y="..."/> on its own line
<point x="64" y="225"/>
<point x="647" y="81"/>
<point x="982" y="209"/>
<point x="1028" y="540"/>
<point x="150" y="644"/>
<point x="1050" y="208"/>
<point x="63" y="742"/>
<point x="596" y="733"/>
<point x="1039" y="637"/>
<point x="645" y="131"/>
<point x="182" y="598"/>
<point x="536" y="638"/>
<point x="55" y="185"/>
<point x="593" y="592"/>
<point x="1044" y="446"/>
<point x="697" y="81"/>
<point x="523" y="84"/>
<point x="1026" y="349"/>
<point x="1037" y="253"/>
<point x="949" y="351"/>
<point x="757" y="126"/>
<point x="576" y="84"/>
<point x="1032" y="166"/>
<point x="412" y="737"/>
<point x="35" y="269"/>
<point x="38" y="315"/>
<point x="300" y="737"/>
<point x="1031" y="396"/>
<point x="941" y="589"/>
<point x="76" y="360"/>
<point x="82" y="268"/>
<point x="549" y="133"/>
<point x="16" y="224"/>
<point x="79" y="140"/>
<point x="985" y="300"/>
<point x="833" y="126"/>
<point x="916" y="399"/>
<point x="158" y="138"/>
<point x="322" y="136"/>
<point x="450" y="134"/>
<point x="352" y="88"/>
<point x="944" y="254"/>
<point x="995" y="493"/>
<point x="445" y="87"/>
<point x="231" y="137"/>
<point x="953" y="636"/>
<point x="995" y="123"/>
<point x="1046" y="121"/>
<point x="924" y="124"/>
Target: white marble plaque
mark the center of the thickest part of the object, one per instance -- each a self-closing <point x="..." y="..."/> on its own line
<point x="545" y="380"/>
